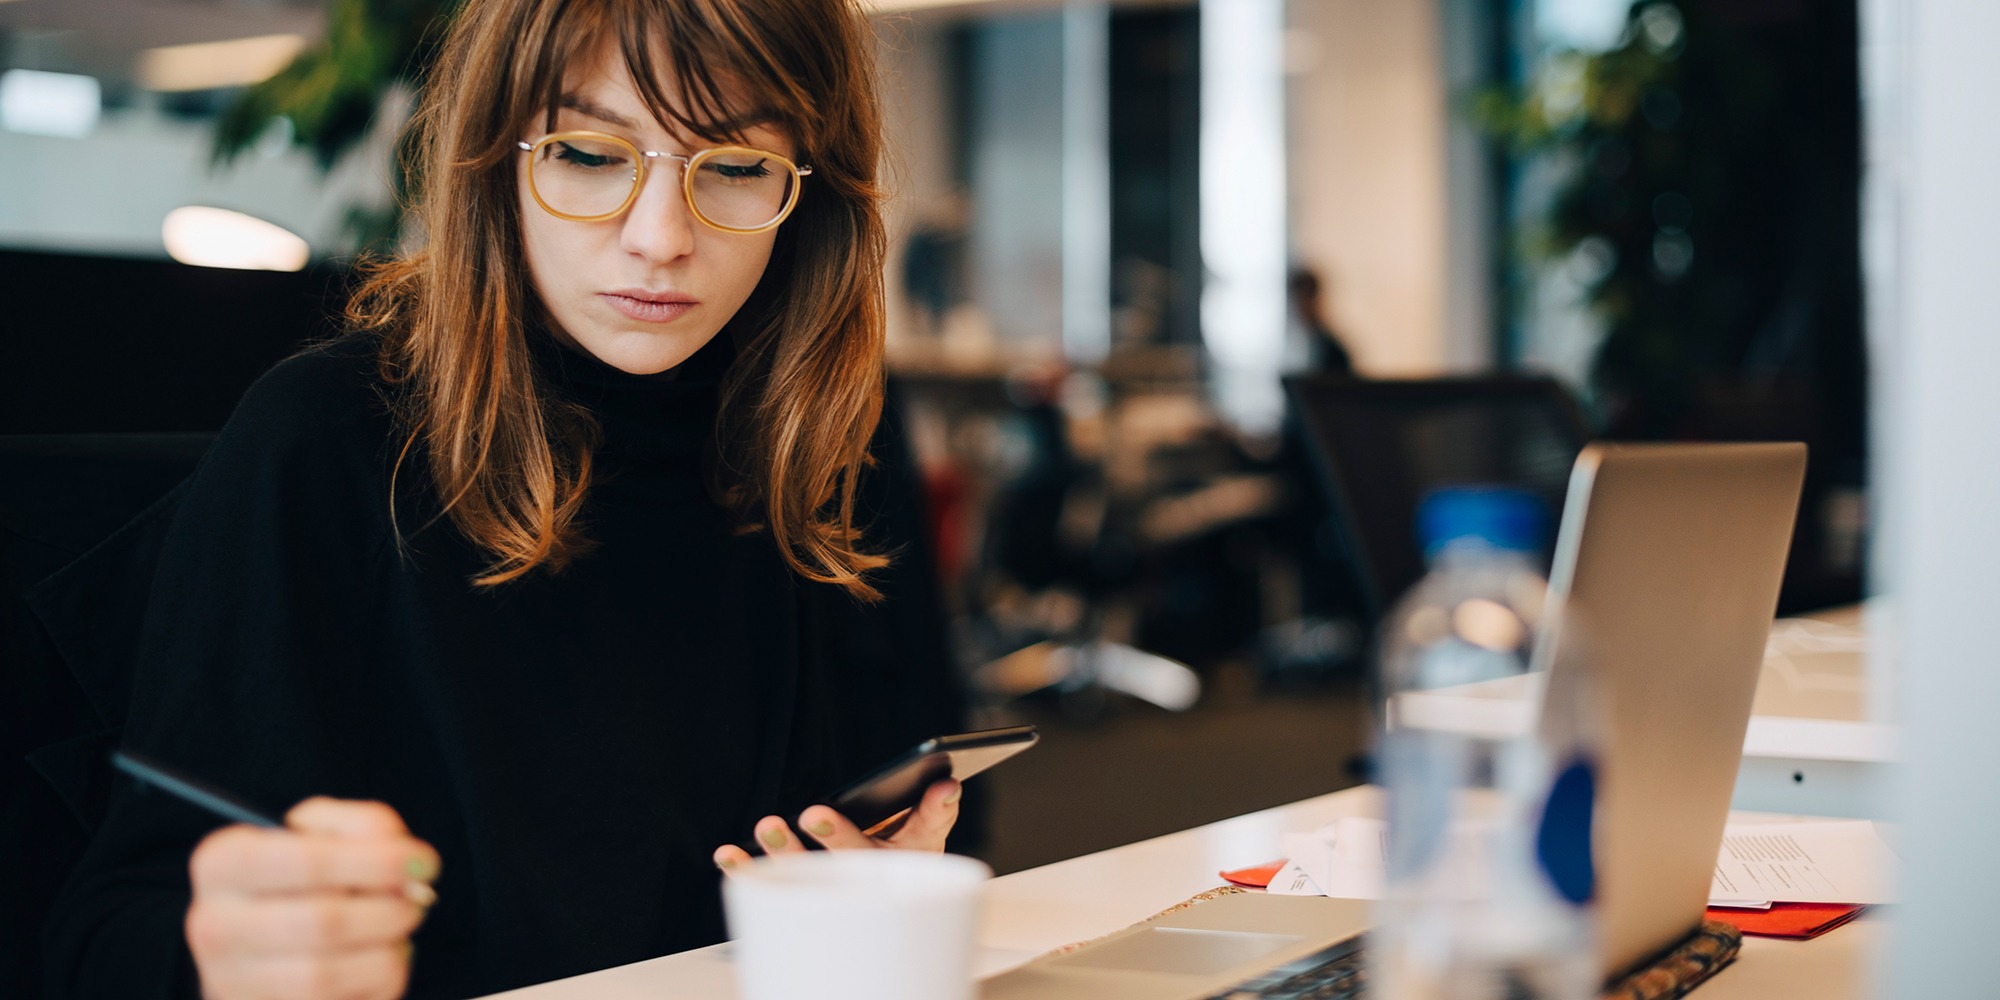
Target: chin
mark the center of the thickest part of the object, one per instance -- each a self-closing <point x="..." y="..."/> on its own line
<point x="644" y="352"/>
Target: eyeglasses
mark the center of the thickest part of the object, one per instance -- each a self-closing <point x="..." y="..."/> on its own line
<point x="592" y="176"/>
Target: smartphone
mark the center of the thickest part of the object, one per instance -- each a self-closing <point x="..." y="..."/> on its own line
<point x="878" y="802"/>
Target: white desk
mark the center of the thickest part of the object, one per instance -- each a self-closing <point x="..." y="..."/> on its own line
<point x="1033" y="911"/>
<point x="1812" y="746"/>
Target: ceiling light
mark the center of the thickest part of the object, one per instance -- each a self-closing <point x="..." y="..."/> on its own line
<point x="63" y="104"/>
<point x="207" y="65"/>
<point x="217" y="237"/>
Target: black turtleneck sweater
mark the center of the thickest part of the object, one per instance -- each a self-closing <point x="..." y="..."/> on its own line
<point x="574" y="744"/>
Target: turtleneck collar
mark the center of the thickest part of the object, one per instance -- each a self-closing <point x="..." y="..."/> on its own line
<point x="665" y="416"/>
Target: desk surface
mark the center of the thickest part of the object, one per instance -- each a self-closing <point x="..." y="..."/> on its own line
<point x="1032" y="911"/>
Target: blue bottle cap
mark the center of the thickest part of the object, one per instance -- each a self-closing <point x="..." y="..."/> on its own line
<point x="1504" y="518"/>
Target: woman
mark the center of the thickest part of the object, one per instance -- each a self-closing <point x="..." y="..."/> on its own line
<point x="509" y="584"/>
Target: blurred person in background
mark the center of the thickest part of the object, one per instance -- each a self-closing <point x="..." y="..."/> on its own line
<point x="1309" y="309"/>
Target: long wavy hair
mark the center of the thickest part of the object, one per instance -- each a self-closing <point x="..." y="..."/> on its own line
<point x="510" y="460"/>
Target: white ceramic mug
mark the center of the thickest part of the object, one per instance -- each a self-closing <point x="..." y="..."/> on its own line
<point x="855" y="925"/>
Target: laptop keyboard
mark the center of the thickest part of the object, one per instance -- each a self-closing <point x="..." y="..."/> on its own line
<point x="1338" y="972"/>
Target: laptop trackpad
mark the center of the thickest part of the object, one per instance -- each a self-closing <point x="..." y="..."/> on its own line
<point x="1179" y="950"/>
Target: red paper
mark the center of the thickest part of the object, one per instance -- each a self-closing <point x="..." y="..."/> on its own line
<point x="1255" y="878"/>
<point x="1789" y="920"/>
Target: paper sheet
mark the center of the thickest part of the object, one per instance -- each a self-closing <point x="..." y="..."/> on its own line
<point x="1347" y="858"/>
<point x="1823" y="862"/>
<point x="1831" y="862"/>
<point x="1292" y="880"/>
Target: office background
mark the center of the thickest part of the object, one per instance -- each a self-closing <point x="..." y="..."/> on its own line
<point x="1118" y="226"/>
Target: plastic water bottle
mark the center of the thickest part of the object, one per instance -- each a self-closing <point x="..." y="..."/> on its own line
<point x="1488" y="799"/>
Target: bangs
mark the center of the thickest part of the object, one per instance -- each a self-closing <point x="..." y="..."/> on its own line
<point x="712" y="49"/>
<point x="510" y="463"/>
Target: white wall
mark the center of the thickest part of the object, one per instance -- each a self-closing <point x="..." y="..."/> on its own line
<point x="1367" y="108"/>
<point x="108" y="192"/>
<point x="1017" y="177"/>
<point x="916" y="169"/>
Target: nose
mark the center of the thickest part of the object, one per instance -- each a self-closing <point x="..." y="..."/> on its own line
<point x="659" y="226"/>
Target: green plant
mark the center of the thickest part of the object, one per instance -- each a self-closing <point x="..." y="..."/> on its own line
<point x="332" y="91"/>
<point x="1673" y="207"/>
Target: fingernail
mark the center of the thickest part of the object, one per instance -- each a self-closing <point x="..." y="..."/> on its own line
<point x="420" y="893"/>
<point x="952" y="798"/>
<point x="774" y="837"/>
<point x="409" y="953"/>
<point x="823" y="828"/>
<point x="420" y="868"/>
<point x="725" y="864"/>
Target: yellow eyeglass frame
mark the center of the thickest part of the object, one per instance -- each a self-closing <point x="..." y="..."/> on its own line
<point x="689" y="163"/>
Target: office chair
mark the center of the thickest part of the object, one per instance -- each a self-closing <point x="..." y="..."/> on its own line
<point x="1064" y="533"/>
<point x="1379" y="446"/>
<point x="81" y="518"/>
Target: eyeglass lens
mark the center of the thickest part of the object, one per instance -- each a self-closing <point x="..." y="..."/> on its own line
<point x="589" y="177"/>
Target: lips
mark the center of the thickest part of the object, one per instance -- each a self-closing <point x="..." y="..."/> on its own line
<point x="649" y="306"/>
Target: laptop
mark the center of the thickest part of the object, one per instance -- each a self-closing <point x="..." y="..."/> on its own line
<point x="1673" y="553"/>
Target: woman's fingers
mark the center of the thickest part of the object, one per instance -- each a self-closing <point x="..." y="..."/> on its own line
<point x="378" y="973"/>
<point x="317" y="922"/>
<point x="932" y="820"/>
<point x="730" y="857"/>
<point x="373" y="821"/>
<point x="251" y="859"/>
<point x="774" y="836"/>
<point x="320" y="814"/>
<point x="923" y="829"/>
<point x="833" y="831"/>
<point x="321" y="908"/>
<point x="771" y="835"/>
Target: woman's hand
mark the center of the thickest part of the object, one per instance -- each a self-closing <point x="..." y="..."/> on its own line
<point x="923" y="829"/>
<point x="322" y="908"/>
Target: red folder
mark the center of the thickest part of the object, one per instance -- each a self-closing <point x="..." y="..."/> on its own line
<point x="1789" y="920"/>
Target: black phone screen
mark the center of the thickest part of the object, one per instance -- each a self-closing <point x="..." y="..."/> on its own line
<point x="873" y="802"/>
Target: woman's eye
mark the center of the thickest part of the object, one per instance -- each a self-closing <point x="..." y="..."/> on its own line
<point x="741" y="171"/>
<point x="570" y="154"/>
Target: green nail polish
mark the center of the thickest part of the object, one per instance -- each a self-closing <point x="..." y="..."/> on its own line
<point x="952" y="799"/>
<point x="774" y="838"/>
<point x="821" y="829"/>
<point x="725" y="863"/>
<point x="420" y="869"/>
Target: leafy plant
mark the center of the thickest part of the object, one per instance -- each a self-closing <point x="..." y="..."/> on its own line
<point x="1679" y="203"/>
<point x="331" y="92"/>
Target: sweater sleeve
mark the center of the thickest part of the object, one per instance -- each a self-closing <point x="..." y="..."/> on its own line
<point x="260" y="617"/>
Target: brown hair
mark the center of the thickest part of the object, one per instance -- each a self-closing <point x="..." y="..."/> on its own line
<point x="510" y="462"/>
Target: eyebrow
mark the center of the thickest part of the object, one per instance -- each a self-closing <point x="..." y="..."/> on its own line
<point x="585" y="106"/>
<point x="730" y="126"/>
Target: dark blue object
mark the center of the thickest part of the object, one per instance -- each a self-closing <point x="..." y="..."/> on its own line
<point x="1509" y="519"/>
<point x="190" y="789"/>
<point x="1563" y="842"/>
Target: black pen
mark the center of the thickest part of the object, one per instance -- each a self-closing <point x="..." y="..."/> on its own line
<point x="196" y="792"/>
<point x="189" y="789"/>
